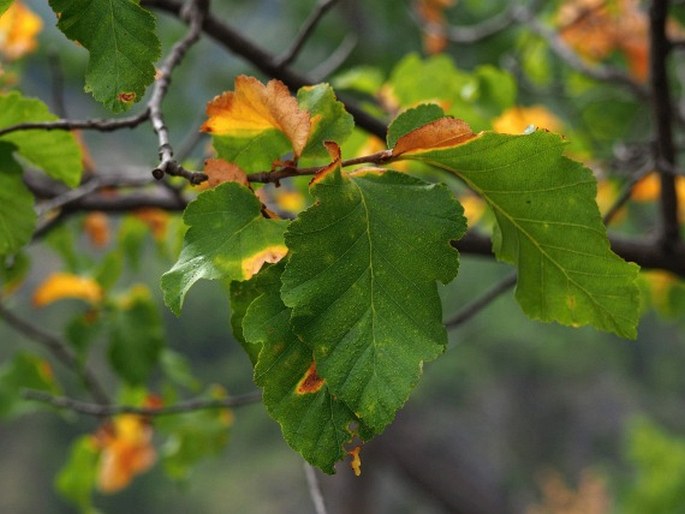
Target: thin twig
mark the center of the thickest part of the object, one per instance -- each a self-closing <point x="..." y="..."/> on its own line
<point x="229" y="38"/>
<point x="94" y="409"/>
<point x="59" y="350"/>
<point x="662" y="114"/>
<point x="314" y="489"/>
<point x="102" y="125"/>
<point x="307" y="29"/>
<point x="627" y="192"/>
<point x="194" y="11"/>
<point x="601" y="73"/>
<point x="481" y="302"/>
<point x="477" y="32"/>
<point x="326" y="68"/>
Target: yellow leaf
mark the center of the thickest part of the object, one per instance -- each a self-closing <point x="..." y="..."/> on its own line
<point x="156" y="219"/>
<point x="127" y="451"/>
<point x="647" y="189"/>
<point x="219" y="171"/>
<point x="516" y="120"/>
<point x="59" y="286"/>
<point x="474" y="208"/>
<point x="254" y="108"/>
<point x="289" y="200"/>
<point x="597" y="28"/>
<point x="432" y="13"/>
<point x="19" y="27"/>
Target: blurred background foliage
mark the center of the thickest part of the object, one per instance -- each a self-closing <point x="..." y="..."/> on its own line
<point x="516" y="417"/>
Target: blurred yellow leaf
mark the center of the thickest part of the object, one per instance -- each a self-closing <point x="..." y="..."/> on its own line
<point x="59" y="286"/>
<point x="516" y="120"/>
<point x="432" y="14"/>
<point x="474" y="208"/>
<point x="127" y="451"/>
<point x="156" y="219"/>
<point x="18" y="29"/>
<point x="96" y="227"/>
<point x="607" y="194"/>
<point x="291" y="201"/>
<point x="596" y="28"/>
<point x="647" y="189"/>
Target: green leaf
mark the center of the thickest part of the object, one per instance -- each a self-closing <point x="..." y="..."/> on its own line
<point x="4" y="5"/>
<point x="253" y="153"/>
<point x="412" y="119"/>
<point x="55" y="152"/>
<point x="242" y="295"/>
<point x="313" y="421"/>
<point x="228" y="239"/>
<point x="120" y="36"/>
<point x="476" y="97"/>
<point x="330" y="120"/>
<point x="76" y="480"/>
<point x="17" y="217"/>
<point x="549" y="226"/>
<point x="136" y="336"/>
<point x="13" y="272"/>
<point x="177" y="369"/>
<point x="24" y="371"/>
<point x="361" y="282"/>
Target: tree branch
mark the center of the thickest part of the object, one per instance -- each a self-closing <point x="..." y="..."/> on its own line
<point x="102" y="125"/>
<point x="597" y="72"/>
<point x="307" y="29"/>
<point x="264" y="61"/>
<point x="94" y="409"/>
<point x="59" y="350"/>
<point x="662" y="113"/>
<point x="194" y="12"/>
<point x="481" y="302"/>
<point x="314" y="489"/>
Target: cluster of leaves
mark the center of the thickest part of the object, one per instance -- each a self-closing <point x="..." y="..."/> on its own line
<point x="335" y="297"/>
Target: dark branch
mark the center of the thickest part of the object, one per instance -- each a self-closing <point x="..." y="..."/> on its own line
<point x="94" y="409"/>
<point x="662" y="114"/>
<point x="307" y="29"/>
<point x="264" y="61"/>
<point x="481" y="302"/>
<point x="59" y="350"/>
<point x="102" y="125"/>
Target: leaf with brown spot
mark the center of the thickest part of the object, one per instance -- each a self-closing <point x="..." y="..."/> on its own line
<point x="314" y="423"/>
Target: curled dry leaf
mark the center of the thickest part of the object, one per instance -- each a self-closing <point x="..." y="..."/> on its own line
<point x="59" y="286"/>
<point x="440" y="133"/>
<point x="219" y="171"/>
<point x="254" y="108"/>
